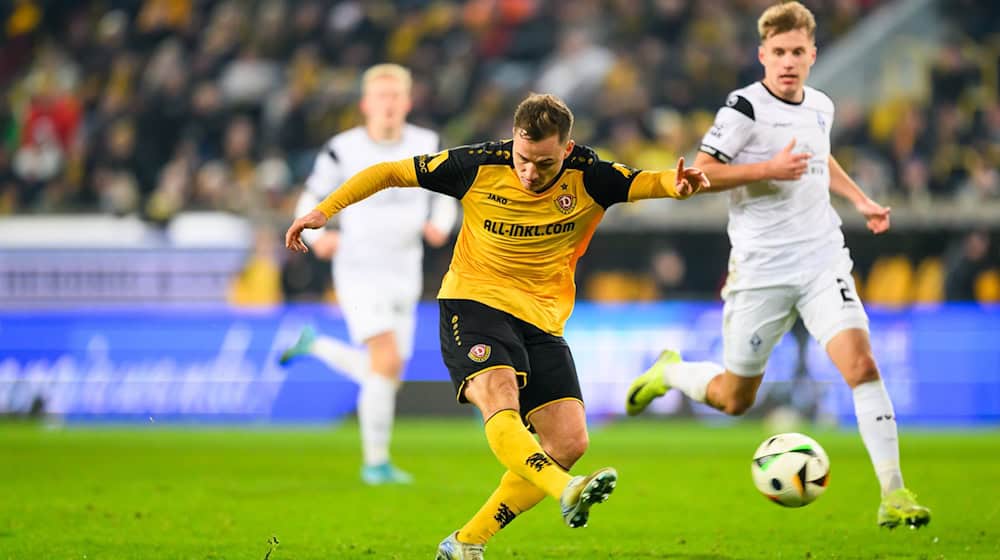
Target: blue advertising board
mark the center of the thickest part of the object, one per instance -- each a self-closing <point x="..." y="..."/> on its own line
<point x="219" y="364"/>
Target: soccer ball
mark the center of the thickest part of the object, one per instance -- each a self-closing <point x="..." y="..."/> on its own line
<point x="790" y="469"/>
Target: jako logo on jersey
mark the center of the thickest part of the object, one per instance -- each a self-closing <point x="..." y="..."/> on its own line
<point x="430" y="166"/>
<point x="565" y="203"/>
<point x="479" y="353"/>
<point x="496" y="198"/>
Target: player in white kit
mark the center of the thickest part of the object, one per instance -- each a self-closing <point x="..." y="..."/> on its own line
<point x="377" y="258"/>
<point x="770" y="147"/>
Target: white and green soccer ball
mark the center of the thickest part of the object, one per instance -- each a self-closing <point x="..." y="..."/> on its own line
<point x="790" y="469"/>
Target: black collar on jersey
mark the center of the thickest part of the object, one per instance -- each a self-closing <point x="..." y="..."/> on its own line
<point x="582" y="158"/>
<point x="554" y="179"/>
<point x="783" y="100"/>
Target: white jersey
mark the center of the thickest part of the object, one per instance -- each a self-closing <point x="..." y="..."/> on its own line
<point x="381" y="236"/>
<point x="780" y="231"/>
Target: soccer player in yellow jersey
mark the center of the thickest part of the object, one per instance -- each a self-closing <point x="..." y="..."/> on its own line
<point x="531" y="205"/>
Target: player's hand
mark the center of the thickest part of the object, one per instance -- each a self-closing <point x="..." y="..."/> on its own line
<point x="293" y="237"/>
<point x="786" y="166"/>
<point x="434" y="236"/>
<point x="326" y="245"/>
<point x="876" y="215"/>
<point x="689" y="180"/>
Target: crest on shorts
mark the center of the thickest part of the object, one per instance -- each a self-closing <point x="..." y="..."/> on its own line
<point x="479" y="353"/>
<point x="565" y="203"/>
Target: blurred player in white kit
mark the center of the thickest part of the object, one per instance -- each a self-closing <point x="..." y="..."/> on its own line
<point x="377" y="258"/>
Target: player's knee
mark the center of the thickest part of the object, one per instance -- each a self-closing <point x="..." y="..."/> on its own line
<point x="392" y="366"/>
<point x="492" y="390"/>
<point x="388" y="364"/>
<point x="576" y="446"/>
<point x="863" y="369"/>
<point x="568" y="449"/>
<point x="733" y="394"/>
<point x="737" y="405"/>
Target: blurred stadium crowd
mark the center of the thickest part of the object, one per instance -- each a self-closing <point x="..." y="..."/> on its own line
<point x="160" y="106"/>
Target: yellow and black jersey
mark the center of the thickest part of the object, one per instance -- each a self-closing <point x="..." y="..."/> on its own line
<point x="517" y="249"/>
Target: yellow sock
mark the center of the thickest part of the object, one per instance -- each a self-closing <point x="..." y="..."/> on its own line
<point x="517" y="449"/>
<point x="514" y="496"/>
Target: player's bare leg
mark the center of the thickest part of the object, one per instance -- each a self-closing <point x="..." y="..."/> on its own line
<point x="562" y="431"/>
<point x="704" y="382"/>
<point x="850" y="350"/>
<point x="731" y="393"/>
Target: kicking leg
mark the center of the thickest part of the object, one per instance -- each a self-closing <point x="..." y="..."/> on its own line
<point x="562" y="430"/>
<point x="495" y="392"/>
<point x="564" y="442"/>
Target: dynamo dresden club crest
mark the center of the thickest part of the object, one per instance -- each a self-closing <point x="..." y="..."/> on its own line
<point x="479" y="353"/>
<point x="565" y="203"/>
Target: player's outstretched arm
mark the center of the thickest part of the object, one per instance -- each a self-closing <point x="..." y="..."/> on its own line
<point x="293" y="237"/>
<point x="689" y="180"/>
<point x="784" y="166"/>
<point x="876" y="215"/>
<point x="359" y="187"/>
<point x="324" y="241"/>
<point x="680" y="182"/>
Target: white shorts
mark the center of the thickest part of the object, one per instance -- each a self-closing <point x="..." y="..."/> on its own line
<point x="754" y="320"/>
<point x="370" y="310"/>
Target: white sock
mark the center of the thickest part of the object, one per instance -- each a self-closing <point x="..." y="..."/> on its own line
<point x="342" y="357"/>
<point x="692" y="378"/>
<point x="877" y="424"/>
<point x="376" y="408"/>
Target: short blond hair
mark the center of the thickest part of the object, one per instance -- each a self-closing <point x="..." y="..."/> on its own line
<point x="786" y="16"/>
<point x="387" y="70"/>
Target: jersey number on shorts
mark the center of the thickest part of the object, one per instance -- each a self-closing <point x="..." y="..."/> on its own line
<point x="845" y="290"/>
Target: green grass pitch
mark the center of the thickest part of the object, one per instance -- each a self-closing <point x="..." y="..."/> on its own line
<point x="684" y="492"/>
